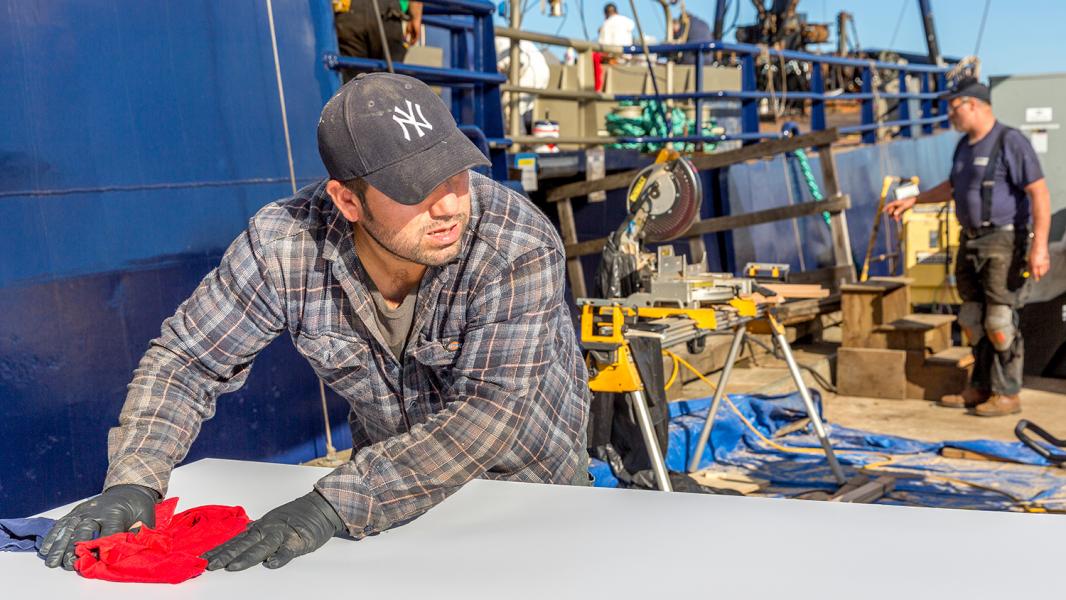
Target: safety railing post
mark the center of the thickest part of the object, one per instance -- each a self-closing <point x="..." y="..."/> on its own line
<point x="869" y="136"/>
<point x="927" y="105"/>
<point x="749" y="107"/>
<point x="904" y="105"/>
<point x="699" y="101"/>
<point x="817" y="104"/>
<point x="942" y="104"/>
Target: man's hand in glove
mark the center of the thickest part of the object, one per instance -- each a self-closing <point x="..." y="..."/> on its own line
<point x="299" y="527"/>
<point x="114" y="511"/>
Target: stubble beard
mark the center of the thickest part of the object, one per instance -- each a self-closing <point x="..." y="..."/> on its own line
<point x="414" y="251"/>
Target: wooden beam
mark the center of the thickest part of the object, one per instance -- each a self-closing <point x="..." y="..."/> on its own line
<point x="838" y="223"/>
<point x="717" y="224"/>
<point x="568" y="231"/>
<point x="702" y="162"/>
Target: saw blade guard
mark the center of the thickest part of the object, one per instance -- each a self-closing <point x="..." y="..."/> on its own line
<point x="675" y="205"/>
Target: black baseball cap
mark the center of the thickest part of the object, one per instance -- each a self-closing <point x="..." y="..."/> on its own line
<point x="969" y="87"/>
<point x="395" y="133"/>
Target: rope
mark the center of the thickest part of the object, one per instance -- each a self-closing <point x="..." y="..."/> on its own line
<point x="330" y="450"/>
<point x="789" y="175"/>
<point x="812" y="183"/>
<point x="652" y="123"/>
<point x="981" y="29"/>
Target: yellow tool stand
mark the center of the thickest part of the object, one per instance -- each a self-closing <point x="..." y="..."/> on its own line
<point x="604" y="334"/>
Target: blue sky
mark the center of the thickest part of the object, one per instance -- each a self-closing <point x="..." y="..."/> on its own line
<point x="1019" y="36"/>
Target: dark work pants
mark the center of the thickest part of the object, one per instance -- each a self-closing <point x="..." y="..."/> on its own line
<point x="989" y="271"/>
<point x="358" y="35"/>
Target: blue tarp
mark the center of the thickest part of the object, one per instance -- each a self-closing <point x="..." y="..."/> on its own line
<point x="923" y="477"/>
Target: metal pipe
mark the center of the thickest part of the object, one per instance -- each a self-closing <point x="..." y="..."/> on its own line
<point x="812" y="412"/>
<point x="554" y="40"/>
<point x="515" y="128"/>
<point x="430" y="75"/>
<point x="651" y="442"/>
<point x="755" y="50"/>
<point x="723" y="380"/>
<point x="564" y="94"/>
<point x="930" y="32"/>
<point x="474" y="7"/>
<point x="384" y="38"/>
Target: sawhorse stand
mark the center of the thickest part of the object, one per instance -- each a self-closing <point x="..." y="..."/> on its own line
<point x="766" y="324"/>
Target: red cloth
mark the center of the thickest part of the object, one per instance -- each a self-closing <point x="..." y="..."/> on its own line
<point x="597" y="70"/>
<point x="169" y="553"/>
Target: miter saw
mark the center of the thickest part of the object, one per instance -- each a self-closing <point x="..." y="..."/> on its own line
<point x="650" y="302"/>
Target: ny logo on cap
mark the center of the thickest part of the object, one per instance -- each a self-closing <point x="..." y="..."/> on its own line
<point x="405" y="118"/>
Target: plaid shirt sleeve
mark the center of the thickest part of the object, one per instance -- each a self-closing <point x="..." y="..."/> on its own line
<point x="205" y="349"/>
<point x="505" y="356"/>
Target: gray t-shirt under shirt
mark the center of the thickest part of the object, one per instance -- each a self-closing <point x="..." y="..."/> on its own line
<point x="394" y="323"/>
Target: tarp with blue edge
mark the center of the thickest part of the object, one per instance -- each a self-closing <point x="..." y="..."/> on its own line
<point x="924" y="478"/>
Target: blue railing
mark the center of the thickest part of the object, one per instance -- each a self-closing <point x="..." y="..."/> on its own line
<point x="471" y="76"/>
<point x="933" y="106"/>
<point x="473" y="83"/>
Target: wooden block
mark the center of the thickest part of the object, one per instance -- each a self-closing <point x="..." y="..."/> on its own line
<point x="872" y="373"/>
<point x="919" y="332"/>
<point x="957" y="356"/>
<point x="857" y="311"/>
<point x="931" y="380"/>
<point x="730" y="480"/>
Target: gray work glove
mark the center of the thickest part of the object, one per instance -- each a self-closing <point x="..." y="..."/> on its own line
<point x="114" y="511"/>
<point x="290" y="530"/>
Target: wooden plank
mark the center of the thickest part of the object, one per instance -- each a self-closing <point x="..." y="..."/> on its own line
<point x="797" y="290"/>
<point x="838" y="223"/>
<point x="717" y="160"/>
<point x="726" y="223"/>
<point x="872" y="373"/>
<point x="737" y="481"/>
<point x="954" y="356"/>
<point x="568" y="231"/>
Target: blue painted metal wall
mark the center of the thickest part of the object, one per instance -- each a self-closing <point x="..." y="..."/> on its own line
<point x="860" y="170"/>
<point x="136" y="139"/>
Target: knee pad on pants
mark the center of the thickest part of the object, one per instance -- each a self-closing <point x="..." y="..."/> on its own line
<point x="999" y="325"/>
<point x="970" y="320"/>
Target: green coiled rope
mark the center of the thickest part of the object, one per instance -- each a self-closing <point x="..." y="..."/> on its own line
<point x="652" y="124"/>
<point x="808" y="176"/>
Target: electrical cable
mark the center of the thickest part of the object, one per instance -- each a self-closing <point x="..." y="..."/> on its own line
<point x="981" y="29"/>
<point x="875" y="467"/>
<point x="647" y="60"/>
<point x="818" y="377"/>
<point x="899" y="21"/>
<point x="330" y="450"/>
<point x="584" y="25"/>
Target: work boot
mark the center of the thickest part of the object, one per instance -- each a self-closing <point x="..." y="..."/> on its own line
<point x="999" y="405"/>
<point x="969" y="398"/>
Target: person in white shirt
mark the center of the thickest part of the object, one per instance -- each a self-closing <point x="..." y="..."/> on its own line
<point x="617" y="30"/>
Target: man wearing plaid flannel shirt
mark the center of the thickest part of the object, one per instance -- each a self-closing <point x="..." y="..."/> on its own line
<point x="427" y="295"/>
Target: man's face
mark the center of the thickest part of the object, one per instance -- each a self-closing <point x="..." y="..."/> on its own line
<point x="429" y="233"/>
<point x="961" y="113"/>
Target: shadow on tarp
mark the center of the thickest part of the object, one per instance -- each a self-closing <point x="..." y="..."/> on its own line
<point x="924" y="478"/>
